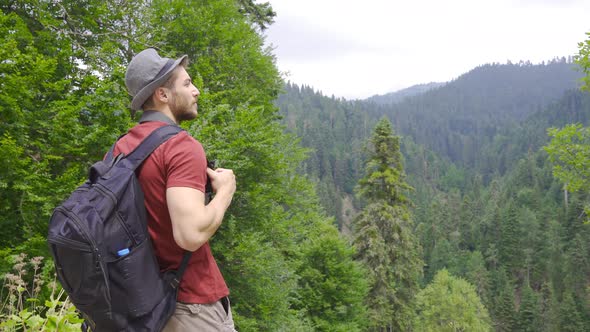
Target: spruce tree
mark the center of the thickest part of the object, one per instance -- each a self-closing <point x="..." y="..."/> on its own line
<point x="504" y="313"/>
<point x="510" y="250"/>
<point x="528" y="313"/>
<point x="383" y="234"/>
<point x="570" y="319"/>
<point x="548" y="309"/>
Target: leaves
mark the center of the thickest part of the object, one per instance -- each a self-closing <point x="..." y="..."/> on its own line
<point x="450" y="304"/>
<point x="569" y="149"/>
<point x="583" y="60"/>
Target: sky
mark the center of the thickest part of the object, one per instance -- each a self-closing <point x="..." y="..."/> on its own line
<point x="357" y="49"/>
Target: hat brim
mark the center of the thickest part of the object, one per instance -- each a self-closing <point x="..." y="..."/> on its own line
<point x="149" y="89"/>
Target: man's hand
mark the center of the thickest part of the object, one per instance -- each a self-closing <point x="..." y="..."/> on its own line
<point x="223" y="181"/>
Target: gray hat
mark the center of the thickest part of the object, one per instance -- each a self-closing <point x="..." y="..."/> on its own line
<point x="147" y="71"/>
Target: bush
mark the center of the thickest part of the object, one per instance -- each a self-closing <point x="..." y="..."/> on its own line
<point x="24" y="288"/>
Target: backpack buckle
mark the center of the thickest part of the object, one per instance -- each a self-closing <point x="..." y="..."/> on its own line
<point x="174" y="282"/>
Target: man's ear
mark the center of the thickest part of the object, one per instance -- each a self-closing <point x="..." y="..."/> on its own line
<point x="161" y="94"/>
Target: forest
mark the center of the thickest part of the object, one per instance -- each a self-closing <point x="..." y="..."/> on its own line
<point x="455" y="206"/>
<point x="497" y="187"/>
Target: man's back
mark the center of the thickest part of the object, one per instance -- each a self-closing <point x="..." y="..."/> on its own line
<point x="180" y="162"/>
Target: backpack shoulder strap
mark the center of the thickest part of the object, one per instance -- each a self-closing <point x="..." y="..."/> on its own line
<point x="109" y="156"/>
<point x="177" y="276"/>
<point x="151" y="143"/>
<point x="147" y="116"/>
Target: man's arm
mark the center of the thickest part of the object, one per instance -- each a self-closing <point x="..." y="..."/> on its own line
<point x="193" y="222"/>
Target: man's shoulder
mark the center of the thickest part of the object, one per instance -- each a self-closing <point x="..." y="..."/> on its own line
<point x="182" y="146"/>
<point x="184" y="140"/>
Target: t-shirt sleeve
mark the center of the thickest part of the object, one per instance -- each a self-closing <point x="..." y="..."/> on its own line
<point x="187" y="163"/>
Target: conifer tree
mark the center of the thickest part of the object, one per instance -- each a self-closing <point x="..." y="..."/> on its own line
<point x="570" y="319"/>
<point x="383" y="234"/>
<point x="528" y="313"/>
<point x="510" y="251"/>
<point x="548" y="309"/>
<point x="504" y="314"/>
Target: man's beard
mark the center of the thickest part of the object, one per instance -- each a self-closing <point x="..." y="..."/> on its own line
<point x="181" y="108"/>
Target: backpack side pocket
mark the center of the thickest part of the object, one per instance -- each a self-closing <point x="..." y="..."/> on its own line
<point x="136" y="283"/>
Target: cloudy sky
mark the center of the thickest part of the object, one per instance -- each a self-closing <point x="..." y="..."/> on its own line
<point x="356" y="49"/>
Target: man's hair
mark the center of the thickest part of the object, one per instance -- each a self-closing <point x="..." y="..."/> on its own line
<point x="169" y="84"/>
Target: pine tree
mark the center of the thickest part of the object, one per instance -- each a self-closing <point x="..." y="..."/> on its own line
<point x="570" y="318"/>
<point x="528" y="313"/>
<point x="511" y="234"/>
<point x="548" y="309"/>
<point x="383" y="234"/>
<point x="504" y="313"/>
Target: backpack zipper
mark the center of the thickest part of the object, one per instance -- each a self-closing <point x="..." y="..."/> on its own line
<point x="110" y="195"/>
<point x="64" y="241"/>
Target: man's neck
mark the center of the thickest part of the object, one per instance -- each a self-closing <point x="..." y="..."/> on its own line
<point x="156" y="115"/>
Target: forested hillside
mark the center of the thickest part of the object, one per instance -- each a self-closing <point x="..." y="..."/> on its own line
<point x="458" y="125"/>
<point x="486" y="205"/>
<point x="462" y="117"/>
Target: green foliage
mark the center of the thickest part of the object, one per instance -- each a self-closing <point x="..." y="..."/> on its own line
<point x="55" y="117"/>
<point x="528" y="313"/>
<point x="227" y="53"/>
<point x="450" y="304"/>
<point x="505" y="318"/>
<point x="20" y="309"/>
<point x="384" y="178"/>
<point x="485" y="198"/>
<point x="333" y="286"/>
<point x="570" y="151"/>
<point x="260" y="14"/>
<point x="334" y="132"/>
<point x="383" y="234"/>
<point x="570" y="319"/>
<point x="583" y="60"/>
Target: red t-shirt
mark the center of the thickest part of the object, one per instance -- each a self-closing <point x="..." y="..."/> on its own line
<point x="178" y="162"/>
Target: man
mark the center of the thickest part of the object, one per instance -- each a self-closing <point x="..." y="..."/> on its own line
<point x="173" y="179"/>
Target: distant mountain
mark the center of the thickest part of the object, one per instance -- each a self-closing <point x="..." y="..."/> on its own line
<point x="458" y="120"/>
<point x="475" y="123"/>
<point x="397" y="96"/>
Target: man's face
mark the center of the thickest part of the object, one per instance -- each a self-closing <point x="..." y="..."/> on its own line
<point x="184" y="96"/>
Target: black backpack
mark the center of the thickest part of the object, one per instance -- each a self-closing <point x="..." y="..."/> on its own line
<point x="102" y="250"/>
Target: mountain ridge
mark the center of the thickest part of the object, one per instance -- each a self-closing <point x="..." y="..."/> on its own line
<point x="399" y="95"/>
